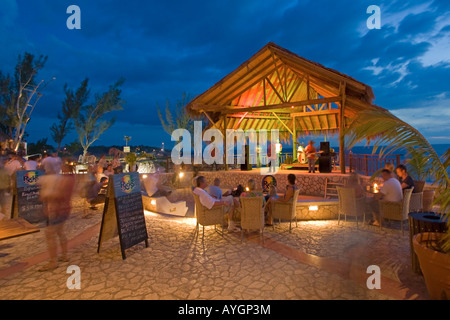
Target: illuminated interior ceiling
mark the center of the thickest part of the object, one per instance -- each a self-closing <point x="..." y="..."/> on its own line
<point x="277" y="89"/>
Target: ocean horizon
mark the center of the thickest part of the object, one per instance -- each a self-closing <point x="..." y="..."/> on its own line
<point x="440" y="149"/>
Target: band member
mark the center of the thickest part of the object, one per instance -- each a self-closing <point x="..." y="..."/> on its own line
<point x="311" y="151"/>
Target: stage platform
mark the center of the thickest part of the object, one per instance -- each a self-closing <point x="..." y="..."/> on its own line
<point x="297" y="166"/>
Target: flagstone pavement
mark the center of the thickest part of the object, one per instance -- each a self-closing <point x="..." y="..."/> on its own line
<point x="318" y="260"/>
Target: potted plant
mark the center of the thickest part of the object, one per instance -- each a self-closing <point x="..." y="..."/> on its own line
<point x="418" y="166"/>
<point x="391" y="133"/>
<point x="131" y="158"/>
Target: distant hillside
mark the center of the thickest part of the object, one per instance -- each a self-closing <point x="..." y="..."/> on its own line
<point x="100" y="150"/>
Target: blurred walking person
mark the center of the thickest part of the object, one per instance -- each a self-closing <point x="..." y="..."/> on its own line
<point x="4" y="189"/>
<point x="56" y="193"/>
<point x="31" y="163"/>
<point x="52" y="164"/>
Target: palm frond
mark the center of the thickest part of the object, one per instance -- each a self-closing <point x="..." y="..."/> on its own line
<point x="390" y="134"/>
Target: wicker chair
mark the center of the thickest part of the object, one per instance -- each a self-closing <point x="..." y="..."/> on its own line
<point x="397" y="211"/>
<point x="419" y="185"/>
<point x="416" y="203"/>
<point x="252" y="214"/>
<point x="208" y="217"/>
<point x="350" y="205"/>
<point x="286" y="210"/>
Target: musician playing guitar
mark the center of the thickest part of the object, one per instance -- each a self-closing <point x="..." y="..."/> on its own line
<point x="311" y="152"/>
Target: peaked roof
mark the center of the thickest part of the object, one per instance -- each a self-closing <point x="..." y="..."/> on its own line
<point x="275" y="86"/>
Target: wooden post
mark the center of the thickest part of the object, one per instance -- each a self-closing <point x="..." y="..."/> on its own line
<point x="342" y="128"/>
<point x="366" y="160"/>
<point x="225" y="141"/>
<point x="294" y="140"/>
<point x="350" y="161"/>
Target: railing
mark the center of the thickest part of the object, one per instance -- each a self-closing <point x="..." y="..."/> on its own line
<point x="365" y="164"/>
<point x="368" y="164"/>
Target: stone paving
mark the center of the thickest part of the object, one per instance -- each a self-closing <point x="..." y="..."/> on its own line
<point x="318" y="260"/>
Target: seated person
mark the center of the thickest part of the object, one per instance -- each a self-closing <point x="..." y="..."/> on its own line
<point x="391" y="168"/>
<point x="272" y="196"/>
<point x="390" y="191"/>
<point x="209" y="202"/>
<point x="109" y="170"/>
<point x="405" y="180"/>
<point x="290" y="189"/>
<point x="250" y="190"/>
<point x="116" y="165"/>
<point x="97" y="193"/>
<point x="355" y="182"/>
<point x="99" y="173"/>
<point x="216" y="192"/>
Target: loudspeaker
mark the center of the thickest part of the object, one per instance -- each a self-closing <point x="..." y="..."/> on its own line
<point x="325" y="147"/>
<point x="325" y="164"/>
<point x="246" y="166"/>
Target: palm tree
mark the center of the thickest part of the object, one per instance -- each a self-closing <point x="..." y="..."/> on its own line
<point x="127" y="139"/>
<point x="389" y="134"/>
<point x="179" y="119"/>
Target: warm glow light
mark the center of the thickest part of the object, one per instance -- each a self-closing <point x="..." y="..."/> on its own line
<point x="149" y="213"/>
<point x="180" y="220"/>
<point x="247" y="189"/>
<point x="319" y="223"/>
<point x="313" y="208"/>
<point x="278" y="147"/>
<point x="145" y="176"/>
<point x="181" y="175"/>
<point x="153" y="202"/>
<point x="375" y="186"/>
<point x="292" y="107"/>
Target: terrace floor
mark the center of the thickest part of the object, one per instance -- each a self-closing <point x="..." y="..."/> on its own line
<point x="318" y="260"/>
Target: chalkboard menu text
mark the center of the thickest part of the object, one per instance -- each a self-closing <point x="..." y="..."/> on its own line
<point x="26" y="201"/>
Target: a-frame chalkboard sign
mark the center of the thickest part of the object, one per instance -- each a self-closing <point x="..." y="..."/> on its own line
<point x="26" y="202"/>
<point x="123" y="214"/>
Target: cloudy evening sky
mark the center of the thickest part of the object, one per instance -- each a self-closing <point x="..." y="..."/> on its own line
<point x="165" y="48"/>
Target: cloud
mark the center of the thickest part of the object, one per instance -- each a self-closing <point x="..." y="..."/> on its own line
<point x="165" y="48"/>
<point x="431" y="119"/>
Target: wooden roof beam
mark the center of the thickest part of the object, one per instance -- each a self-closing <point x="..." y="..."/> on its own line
<point x="248" y="87"/>
<point x="322" y="71"/>
<point x="315" y="113"/>
<point x="278" y="75"/>
<point x="275" y="90"/>
<point x="235" y="109"/>
<point x="288" y="129"/>
<point x="255" y="71"/>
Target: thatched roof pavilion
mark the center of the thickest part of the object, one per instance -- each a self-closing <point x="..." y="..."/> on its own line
<point x="277" y="89"/>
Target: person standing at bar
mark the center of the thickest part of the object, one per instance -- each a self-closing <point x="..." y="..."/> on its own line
<point x="311" y="151"/>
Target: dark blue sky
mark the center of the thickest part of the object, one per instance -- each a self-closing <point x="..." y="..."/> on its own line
<point x="165" y="48"/>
